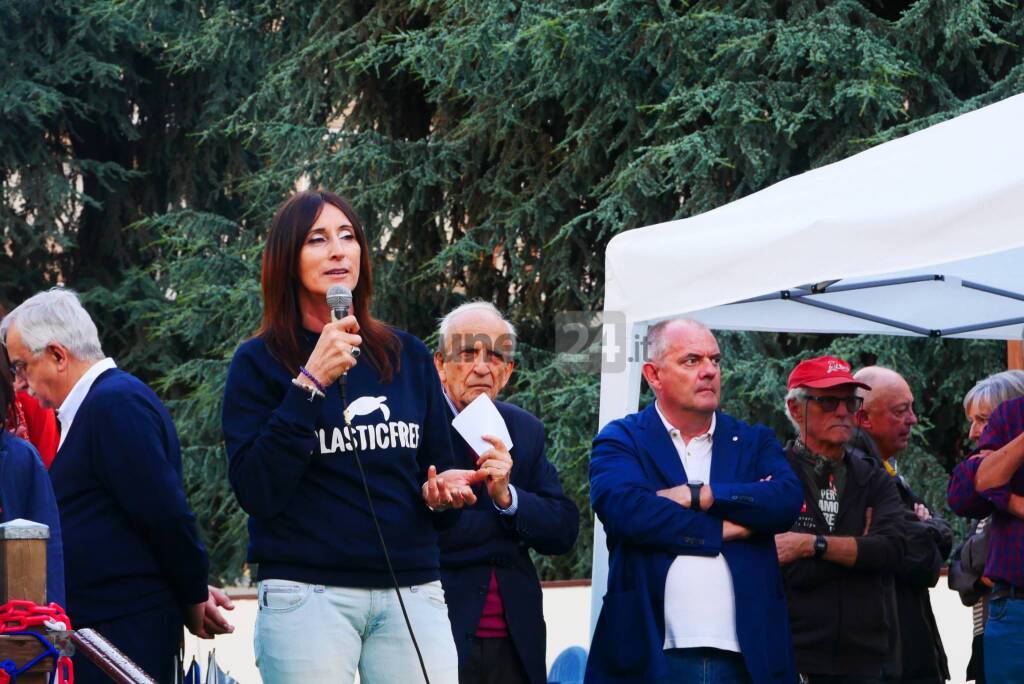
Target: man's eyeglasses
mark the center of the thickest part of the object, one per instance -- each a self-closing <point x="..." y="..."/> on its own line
<point x="18" y="369"/>
<point x="830" y="404"/>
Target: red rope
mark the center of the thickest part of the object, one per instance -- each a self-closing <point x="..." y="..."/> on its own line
<point x="21" y="616"/>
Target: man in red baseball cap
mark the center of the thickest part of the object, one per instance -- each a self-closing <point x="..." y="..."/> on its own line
<point x="839" y="558"/>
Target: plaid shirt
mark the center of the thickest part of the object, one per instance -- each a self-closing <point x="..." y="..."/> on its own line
<point x="1006" y="547"/>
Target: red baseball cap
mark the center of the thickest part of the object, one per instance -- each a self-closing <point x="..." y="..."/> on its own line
<point x="822" y="371"/>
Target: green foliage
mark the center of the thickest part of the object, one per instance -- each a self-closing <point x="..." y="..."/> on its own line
<point x="567" y="401"/>
<point x="492" y="148"/>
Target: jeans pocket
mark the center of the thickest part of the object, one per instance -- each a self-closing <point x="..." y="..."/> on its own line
<point x="433" y="592"/>
<point x="282" y="596"/>
<point x="997" y="609"/>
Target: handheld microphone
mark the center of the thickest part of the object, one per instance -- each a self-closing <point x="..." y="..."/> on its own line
<point x="339" y="298"/>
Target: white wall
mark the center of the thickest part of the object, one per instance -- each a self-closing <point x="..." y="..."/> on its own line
<point x="567" y="612"/>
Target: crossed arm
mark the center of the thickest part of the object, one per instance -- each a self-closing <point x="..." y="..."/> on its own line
<point x="998" y="467"/>
<point x="632" y="509"/>
<point x="968" y="497"/>
<point x="683" y="496"/>
<point x="880" y="546"/>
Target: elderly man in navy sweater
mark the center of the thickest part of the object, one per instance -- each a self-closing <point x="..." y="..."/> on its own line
<point x="135" y="566"/>
<point x="494" y="596"/>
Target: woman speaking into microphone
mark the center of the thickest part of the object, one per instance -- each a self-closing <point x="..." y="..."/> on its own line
<point x="311" y="404"/>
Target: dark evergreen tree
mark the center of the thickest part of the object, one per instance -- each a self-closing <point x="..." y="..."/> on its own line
<point x="98" y="134"/>
<point x="492" y="149"/>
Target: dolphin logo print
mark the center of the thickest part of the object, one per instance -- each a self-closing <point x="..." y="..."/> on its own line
<point x="364" y="406"/>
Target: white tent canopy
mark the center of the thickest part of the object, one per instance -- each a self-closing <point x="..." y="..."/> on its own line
<point x="923" y="235"/>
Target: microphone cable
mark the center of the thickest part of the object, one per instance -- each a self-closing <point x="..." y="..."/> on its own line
<point x="376" y="523"/>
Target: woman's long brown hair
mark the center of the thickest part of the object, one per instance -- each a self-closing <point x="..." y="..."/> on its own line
<point x="8" y="416"/>
<point x="282" y="319"/>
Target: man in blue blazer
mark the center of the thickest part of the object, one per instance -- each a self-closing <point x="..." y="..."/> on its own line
<point x="691" y="499"/>
<point x="491" y="587"/>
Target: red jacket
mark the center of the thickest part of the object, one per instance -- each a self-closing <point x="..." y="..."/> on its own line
<point x="38" y="425"/>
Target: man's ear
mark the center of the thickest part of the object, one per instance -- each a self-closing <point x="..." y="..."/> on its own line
<point x="60" y="355"/>
<point x="650" y="372"/>
<point x="795" y="410"/>
<point x="506" y="376"/>
<point x="862" y="419"/>
<point x="439" y="365"/>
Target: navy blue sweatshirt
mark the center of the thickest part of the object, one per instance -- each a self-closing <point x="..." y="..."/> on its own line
<point x="292" y="468"/>
<point x="130" y="540"/>
<point x="26" y="492"/>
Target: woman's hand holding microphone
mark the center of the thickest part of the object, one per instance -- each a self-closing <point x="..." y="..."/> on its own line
<point x="335" y="353"/>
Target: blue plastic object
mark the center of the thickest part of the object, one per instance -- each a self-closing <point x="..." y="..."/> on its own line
<point x="193" y="676"/>
<point x="569" y="666"/>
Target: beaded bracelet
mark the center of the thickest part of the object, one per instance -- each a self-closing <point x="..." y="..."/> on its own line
<point x="302" y="369"/>
<point x="313" y="391"/>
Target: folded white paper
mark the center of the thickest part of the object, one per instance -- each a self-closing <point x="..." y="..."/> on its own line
<point x="480" y="418"/>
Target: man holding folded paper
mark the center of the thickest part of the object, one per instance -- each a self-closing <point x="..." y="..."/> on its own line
<point x="491" y="586"/>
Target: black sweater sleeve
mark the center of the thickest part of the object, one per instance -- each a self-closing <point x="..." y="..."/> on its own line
<point x="884" y="546"/>
<point x="270" y="438"/>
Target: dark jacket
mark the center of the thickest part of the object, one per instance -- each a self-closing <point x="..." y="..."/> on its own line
<point x="26" y="492"/>
<point x="967" y="564"/>
<point x="928" y="546"/>
<point x="844" y="619"/>
<point x="482" y="540"/>
<point x="130" y="541"/>
<point x="632" y="458"/>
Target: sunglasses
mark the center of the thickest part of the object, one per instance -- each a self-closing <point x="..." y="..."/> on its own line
<point x="830" y="404"/>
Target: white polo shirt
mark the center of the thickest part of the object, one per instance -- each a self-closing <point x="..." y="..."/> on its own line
<point x="700" y="604"/>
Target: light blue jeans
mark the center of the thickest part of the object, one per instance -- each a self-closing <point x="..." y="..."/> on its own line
<point x="309" y="633"/>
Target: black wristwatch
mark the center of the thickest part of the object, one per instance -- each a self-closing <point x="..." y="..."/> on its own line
<point x="694" y="486"/>
<point x="820" y="546"/>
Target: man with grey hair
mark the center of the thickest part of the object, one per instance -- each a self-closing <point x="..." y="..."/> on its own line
<point x="691" y="499"/>
<point x="491" y="586"/>
<point x="884" y="422"/>
<point x="839" y="558"/>
<point x="134" y="564"/>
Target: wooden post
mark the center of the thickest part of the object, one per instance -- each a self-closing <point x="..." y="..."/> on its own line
<point x="1014" y="355"/>
<point x="23" y="561"/>
<point x="23" y="576"/>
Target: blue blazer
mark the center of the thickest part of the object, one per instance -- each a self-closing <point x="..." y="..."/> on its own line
<point x="547" y="521"/>
<point x="130" y="541"/>
<point x="631" y="459"/>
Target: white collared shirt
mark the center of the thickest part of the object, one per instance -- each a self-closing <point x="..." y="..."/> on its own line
<point x="69" y="407"/>
<point x="700" y="603"/>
